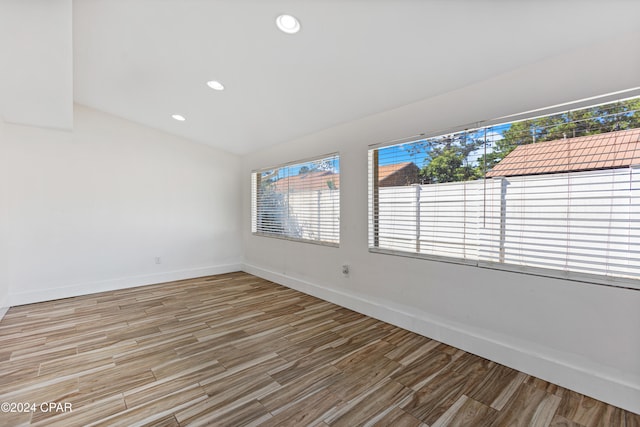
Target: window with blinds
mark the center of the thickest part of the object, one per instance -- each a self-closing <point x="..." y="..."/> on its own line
<point x="299" y="201"/>
<point x="557" y="195"/>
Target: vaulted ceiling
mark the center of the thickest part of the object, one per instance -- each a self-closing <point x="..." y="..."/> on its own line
<point x="145" y="60"/>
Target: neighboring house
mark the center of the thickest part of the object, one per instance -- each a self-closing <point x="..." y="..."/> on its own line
<point x="610" y="150"/>
<point x="398" y="174"/>
<point x="310" y="181"/>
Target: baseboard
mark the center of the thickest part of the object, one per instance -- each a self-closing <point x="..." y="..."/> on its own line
<point x="567" y="370"/>
<point x="119" y="283"/>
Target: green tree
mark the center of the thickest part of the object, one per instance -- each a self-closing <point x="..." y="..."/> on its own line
<point x="447" y="157"/>
<point x="448" y="166"/>
<point x="588" y="121"/>
<point x="620" y="115"/>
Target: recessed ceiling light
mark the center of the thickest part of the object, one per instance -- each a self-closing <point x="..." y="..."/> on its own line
<point x="178" y="117"/>
<point x="288" y="24"/>
<point x="215" y="85"/>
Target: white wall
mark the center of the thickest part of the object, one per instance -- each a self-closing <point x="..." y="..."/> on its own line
<point x="36" y="76"/>
<point x="4" y="254"/>
<point x="578" y="335"/>
<point x="89" y="210"/>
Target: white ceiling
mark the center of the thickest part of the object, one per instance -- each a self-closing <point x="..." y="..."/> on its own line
<point x="144" y="60"/>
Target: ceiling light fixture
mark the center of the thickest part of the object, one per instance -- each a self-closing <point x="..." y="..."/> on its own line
<point x="215" y="85"/>
<point x="178" y="117"/>
<point x="288" y="24"/>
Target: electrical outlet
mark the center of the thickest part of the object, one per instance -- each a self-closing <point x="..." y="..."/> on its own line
<point x="158" y="260"/>
<point x="345" y="270"/>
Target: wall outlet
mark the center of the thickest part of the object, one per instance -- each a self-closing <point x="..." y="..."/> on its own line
<point x="158" y="260"/>
<point x="345" y="270"/>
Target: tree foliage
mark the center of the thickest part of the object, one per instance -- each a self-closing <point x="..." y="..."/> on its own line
<point x="447" y="158"/>
<point x="449" y="165"/>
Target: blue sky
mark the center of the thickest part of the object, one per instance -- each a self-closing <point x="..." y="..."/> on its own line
<point x="400" y="153"/>
<point x="331" y="164"/>
<point x="404" y="153"/>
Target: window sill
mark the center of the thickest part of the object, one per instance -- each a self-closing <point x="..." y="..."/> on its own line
<point x="593" y="279"/>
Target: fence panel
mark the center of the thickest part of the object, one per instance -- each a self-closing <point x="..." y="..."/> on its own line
<point x="449" y="219"/>
<point x="316" y="214"/>
<point x="581" y="221"/>
<point x="398" y="218"/>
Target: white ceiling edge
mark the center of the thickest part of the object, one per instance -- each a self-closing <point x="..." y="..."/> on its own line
<point x="36" y="76"/>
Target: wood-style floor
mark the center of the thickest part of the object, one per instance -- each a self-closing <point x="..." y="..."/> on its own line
<point x="234" y="350"/>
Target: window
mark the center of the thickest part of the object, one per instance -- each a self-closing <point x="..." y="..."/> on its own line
<point x="299" y="201"/>
<point x="556" y="194"/>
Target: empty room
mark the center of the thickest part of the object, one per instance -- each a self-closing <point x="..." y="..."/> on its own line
<point x="319" y="213"/>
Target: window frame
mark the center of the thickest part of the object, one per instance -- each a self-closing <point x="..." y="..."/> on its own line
<point x="254" y="201"/>
<point x="373" y="197"/>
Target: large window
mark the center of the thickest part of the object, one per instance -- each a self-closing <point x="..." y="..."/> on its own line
<point x="557" y="194"/>
<point x="299" y="201"/>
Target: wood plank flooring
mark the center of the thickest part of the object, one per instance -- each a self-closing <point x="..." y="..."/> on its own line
<point x="235" y="350"/>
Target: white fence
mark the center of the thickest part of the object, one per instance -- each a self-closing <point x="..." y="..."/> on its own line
<point x="583" y="221"/>
<point x="315" y="215"/>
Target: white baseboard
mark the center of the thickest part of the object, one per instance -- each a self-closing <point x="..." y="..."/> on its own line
<point x="567" y="370"/>
<point x="119" y="283"/>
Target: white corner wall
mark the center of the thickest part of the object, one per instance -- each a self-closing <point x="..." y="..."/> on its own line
<point x="578" y="335"/>
<point x="90" y="210"/>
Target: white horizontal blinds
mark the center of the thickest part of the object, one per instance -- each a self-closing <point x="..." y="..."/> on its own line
<point x="567" y="196"/>
<point x="254" y="202"/>
<point x="599" y="224"/>
<point x="583" y="222"/>
<point x="299" y="201"/>
<point x="419" y="209"/>
<point x="559" y="192"/>
<point x="633" y="269"/>
<point x="449" y="219"/>
<point x="397" y="216"/>
<point x="394" y="201"/>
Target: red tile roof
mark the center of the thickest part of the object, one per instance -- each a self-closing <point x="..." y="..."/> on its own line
<point x="602" y="151"/>
<point x="398" y="174"/>
<point x="388" y="175"/>
<point x="310" y="181"/>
